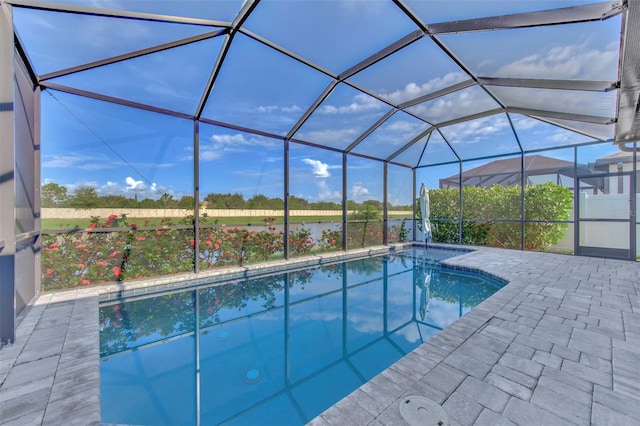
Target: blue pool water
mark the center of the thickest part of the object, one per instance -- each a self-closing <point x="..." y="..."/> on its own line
<point x="274" y="350"/>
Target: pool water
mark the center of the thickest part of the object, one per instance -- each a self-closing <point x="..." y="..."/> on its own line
<point x="274" y="350"/>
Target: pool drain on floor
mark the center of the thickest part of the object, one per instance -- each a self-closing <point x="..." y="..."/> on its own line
<point x="253" y="376"/>
<point x="418" y="410"/>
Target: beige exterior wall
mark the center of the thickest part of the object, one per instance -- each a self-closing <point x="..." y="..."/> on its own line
<point x="67" y="213"/>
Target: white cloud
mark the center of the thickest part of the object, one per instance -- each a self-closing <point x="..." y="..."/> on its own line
<point x="321" y="171"/>
<point x="294" y="109"/>
<point x="562" y="137"/>
<point x="331" y="137"/>
<point x="414" y="90"/>
<point x="134" y="184"/>
<point x="477" y="130"/>
<point x="574" y="61"/>
<point x="524" y="123"/>
<point x="458" y="104"/>
<point x="359" y="191"/>
<point x="71" y="187"/>
<point x="268" y="109"/>
<point x="319" y="168"/>
<point x="326" y="194"/>
<point x="138" y="187"/>
<point x="81" y="162"/>
<point x="361" y="103"/>
<point x="231" y="143"/>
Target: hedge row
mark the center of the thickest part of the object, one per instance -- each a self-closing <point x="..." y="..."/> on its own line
<point x="483" y="207"/>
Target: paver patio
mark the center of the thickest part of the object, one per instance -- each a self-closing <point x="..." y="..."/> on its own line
<point x="560" y="344"/>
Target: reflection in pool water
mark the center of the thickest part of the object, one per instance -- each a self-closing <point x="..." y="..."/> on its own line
<point x="278" y="349"/>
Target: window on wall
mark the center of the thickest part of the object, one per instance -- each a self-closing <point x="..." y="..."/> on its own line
<point x="315" y="200"/>
<point x="364" y="202"/>
<point x="122" y="180"/>
<point x="241" y="196"/>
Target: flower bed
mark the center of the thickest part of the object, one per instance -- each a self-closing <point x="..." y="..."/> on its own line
<point x="117" y="249"/>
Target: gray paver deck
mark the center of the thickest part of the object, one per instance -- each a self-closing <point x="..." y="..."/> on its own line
<point x="559" y="344"/>
<point x="546" y="347"/>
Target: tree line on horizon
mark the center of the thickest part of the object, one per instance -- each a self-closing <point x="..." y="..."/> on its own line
<point x="87" y="197"/>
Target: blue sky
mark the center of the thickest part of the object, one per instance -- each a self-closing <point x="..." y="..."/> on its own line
<point x="120" y="150"/>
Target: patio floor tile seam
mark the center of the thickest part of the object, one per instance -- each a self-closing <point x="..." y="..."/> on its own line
<point x="436" y="341"/>
<point x="22" y="380"/>
<point x="47" y="400"/>
<point x="580" y="412"/>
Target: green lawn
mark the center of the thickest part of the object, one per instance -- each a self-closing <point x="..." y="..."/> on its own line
<point x="84" y="223"/>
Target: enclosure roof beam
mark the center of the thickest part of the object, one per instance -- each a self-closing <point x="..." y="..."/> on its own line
<point x="566" y="15"/>
<point x="437" y="94"/>
<point x="628" y="124"/>
<point x="112" y="13"/>
<point x="383" y="53"/>
<point x="410" y="143"/>
<point x="134" y="54"/>
<point x="111" y="99"/>
<point x="538" y="83"/>
<point x="562" y="115"/>
<point x="470" y="117"/>
<point x="371" y="129"/>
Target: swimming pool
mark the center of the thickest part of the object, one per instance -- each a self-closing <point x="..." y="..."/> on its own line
<point x="278" y="349"/>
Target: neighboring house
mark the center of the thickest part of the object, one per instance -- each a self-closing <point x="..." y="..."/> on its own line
<point x="538" y="169"/>
<point x="620" y="161"/>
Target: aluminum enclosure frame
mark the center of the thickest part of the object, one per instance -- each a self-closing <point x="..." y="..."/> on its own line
<point x="626" y="121"/>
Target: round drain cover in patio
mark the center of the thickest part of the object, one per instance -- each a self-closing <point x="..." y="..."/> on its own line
<point x="418" y="410"/>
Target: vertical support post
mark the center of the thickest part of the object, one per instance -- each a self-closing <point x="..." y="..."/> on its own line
<point x="196" y="297"/>
<point x="196" y="196"/>
<point x="37" y="178"/>
<point x="633" y="199"/>
<point x="7" y="180"/>
<point x="413" y="203"/>
<point x="460" y="201"/>
<point x="345" y="303"/>
<point x="344" y="201"/>
<point x="522" y="209"/>
<point x="522" y="183"/>
<point x="385" y="209"/>
<point x="287" y="332"/>
<point x="286" y="199"/>
<point x="385" y="297"/>
<point x="576" y="203"/>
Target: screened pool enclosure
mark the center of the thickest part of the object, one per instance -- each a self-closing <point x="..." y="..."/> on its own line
<point x="149" y="138"/>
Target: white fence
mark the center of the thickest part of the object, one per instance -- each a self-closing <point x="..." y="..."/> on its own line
<point x="601" y="234"/>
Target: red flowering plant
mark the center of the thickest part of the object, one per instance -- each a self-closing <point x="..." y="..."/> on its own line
<point x="222" y="246"/>
<point x="330" y="240"/>
<point x="116" y="249"/>
<point x="264" y="245"/>
<point x="300" y="242"/>
<point x="112" y="251"/>
<point x="127" y="325"/>
<point x="213" y="246"/>
<point x="398" y="234"/>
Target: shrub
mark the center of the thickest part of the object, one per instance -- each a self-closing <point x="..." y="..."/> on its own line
<point x="330" y="240"/>
<point x="483" y="207"/>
